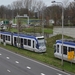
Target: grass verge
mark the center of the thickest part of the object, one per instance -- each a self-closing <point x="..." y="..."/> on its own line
<point x="34" y="30"/>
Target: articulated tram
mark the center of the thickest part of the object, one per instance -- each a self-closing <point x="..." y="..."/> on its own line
<point x="29" y="42"/>
<point x="68" y="47"/>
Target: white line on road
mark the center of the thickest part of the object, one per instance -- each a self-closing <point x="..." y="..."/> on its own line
<point x="0" y="54"/>
<point x="17" y="62"/>
<point x="59" y="74"/>
<point x="8" y="70"/>
<point x="28" y="67"/>
<point x="36" y="62"/>
<point x="7" y="57"/>
<point x="42" y="74"/>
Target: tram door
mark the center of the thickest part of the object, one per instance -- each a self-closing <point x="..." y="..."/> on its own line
<point x="15" y="41"/>
<point x="33" y="44"/>
<point x="3" y="38"/>
<point x="21" y="42"/>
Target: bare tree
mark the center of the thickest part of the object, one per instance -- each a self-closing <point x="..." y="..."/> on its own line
<point x="53" y="12"/>
<point x="71" y="12"/>
<point x="2" y="11"/>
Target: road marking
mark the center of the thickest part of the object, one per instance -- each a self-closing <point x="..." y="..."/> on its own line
<point x="59" y="74"/>
<point x="17" y="62"/>
<point x="8" y="70"/>
<point x="0" y="54"/>
<point x="28" y="67"/>
<point x="42" y="74"/>
<point x="36" y="61"/>
<point x="7" y="57"/>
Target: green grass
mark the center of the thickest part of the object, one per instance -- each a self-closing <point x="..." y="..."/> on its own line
<point x="14" y="30"/>
<point x="47" y="57"/>
<point x="48" y="31"/>
<point x="34" y="30"/>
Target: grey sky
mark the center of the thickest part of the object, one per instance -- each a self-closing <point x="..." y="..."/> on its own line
<point x="47" y="2"/>
<point x="6" y="2"/>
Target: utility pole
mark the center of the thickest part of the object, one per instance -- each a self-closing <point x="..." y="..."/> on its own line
<point x="62" y="27"/>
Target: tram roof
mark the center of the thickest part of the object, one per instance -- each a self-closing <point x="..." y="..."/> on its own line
<point x="68" y="42"/>
<point x="5" y="32"/>
<point x="22" y="35"/>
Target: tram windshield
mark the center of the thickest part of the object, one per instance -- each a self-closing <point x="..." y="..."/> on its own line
<point x="41" y="41"/>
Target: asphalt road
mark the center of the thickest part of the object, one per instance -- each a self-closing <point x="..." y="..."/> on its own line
<point x="15" y="64"/>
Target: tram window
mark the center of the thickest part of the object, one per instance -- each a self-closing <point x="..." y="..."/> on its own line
<point x="58" y="48"/>
<point x="33" y="44"/>
<point x="71" y="49"/>
<point x="8" y="38"/>
<point x="29" y="42"/>
<point x="14" y="39"/>
<point x="65" y="50"/>
<point x="25" y="41"/>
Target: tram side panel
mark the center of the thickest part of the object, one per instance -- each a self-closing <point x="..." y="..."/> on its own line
<point x="28" y="43"/>
<point x="58" y="52"/>
<point x="5" y="38"/>
<point x="25" y="43"/>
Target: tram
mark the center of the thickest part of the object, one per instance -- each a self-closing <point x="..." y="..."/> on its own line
<point x="29" y="42"/>
<point x="68" y="50"/>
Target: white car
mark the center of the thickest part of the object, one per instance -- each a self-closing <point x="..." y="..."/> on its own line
<point x="14" y="25"/>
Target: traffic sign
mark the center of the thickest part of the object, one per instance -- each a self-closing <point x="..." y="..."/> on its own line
<point x="70" y="55"/>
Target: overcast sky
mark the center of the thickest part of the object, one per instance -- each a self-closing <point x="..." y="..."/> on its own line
<point x="47" y="2"/>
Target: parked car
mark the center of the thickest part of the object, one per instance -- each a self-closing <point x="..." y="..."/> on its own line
<point x="27" y="26"/>
<point x="14" y="25"/>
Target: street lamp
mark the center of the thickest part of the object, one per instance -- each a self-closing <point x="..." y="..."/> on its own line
<point x="62" y="27"/>
<point x="43" y="20"/>
<point x="42" y="23"/>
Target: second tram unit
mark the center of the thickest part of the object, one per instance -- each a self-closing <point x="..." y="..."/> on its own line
<point x="68" y="46"/>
